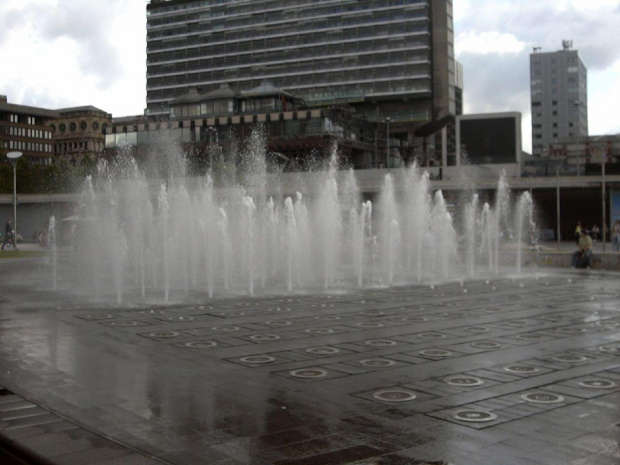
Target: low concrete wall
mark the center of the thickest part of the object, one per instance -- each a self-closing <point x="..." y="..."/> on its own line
<point x="562" y="259"/>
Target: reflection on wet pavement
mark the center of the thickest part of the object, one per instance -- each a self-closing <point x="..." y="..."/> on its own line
<point x="485" y="372"/>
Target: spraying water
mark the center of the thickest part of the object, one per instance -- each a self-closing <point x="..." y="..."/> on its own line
<point x="154" y="240"/>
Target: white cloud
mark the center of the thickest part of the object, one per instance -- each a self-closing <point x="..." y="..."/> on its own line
<point x="487" y="42"/>
<point x="63" y="53"/>
<point x="70" y="53"/>
<point x="495" y="37"/>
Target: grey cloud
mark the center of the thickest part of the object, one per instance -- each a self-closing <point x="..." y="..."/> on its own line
<point x="87" y="23"/>
<point x="496" y="81"/>
<point x="542" y="24"/>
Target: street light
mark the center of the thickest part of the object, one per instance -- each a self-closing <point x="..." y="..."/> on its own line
<point x="13" y="157"/>
<point x="387" y="143"/>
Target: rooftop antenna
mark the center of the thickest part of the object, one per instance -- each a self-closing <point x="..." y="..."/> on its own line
<point x="567" y="44"/>
<point x="536" y="49"/>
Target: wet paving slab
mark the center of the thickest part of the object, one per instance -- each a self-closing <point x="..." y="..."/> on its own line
<point x="492" y="371"/>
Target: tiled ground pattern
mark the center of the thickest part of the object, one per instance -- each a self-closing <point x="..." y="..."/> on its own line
<point x="320" y="364"/>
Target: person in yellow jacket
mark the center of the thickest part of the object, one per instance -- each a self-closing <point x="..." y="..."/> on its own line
<point x="581" y="258"/>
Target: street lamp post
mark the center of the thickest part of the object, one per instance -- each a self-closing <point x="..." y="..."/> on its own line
<point x="603" y="195"/>
<point x="387" y="143"/>
<point x="13" y="157"/>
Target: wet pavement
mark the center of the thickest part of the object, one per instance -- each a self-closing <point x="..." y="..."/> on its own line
<point x="501" y="371"/>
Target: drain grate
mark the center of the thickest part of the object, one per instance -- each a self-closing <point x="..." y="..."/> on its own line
<point x="474" y="416"/>
<point x="571" y="330"/>
<point x="225" y="328"/>
<point x="99" y="316"/>
<point x="122" y="324"/>
<point x="464" y="381"/>
<point x="323" y="351"/>
<point x="380" y="343"/>
<point x="164" y="334"/>
<point x="258" y="359"/>
<point x="369" y="325"/>
<point x="310" y="373"/>
<point x="377" y="363"/>
<point x="477" y="329"/>
<point x="524" y="369"/>
<point x="394" y="395"/>
<point x="279" y="323"/>
<point x="319" y="331"/>
<point x="431" y="335"/>
<point x="264" y="337"/>
<point x="201" y="344"/>
<point x="485" y="345"/>
<point x="180" y="318"/>
<point x="435" y="353"/>
<point x="570" y="358"/>
<point x="610" y="349"/>
<point x="542" y="398"/>
<point x="455" y="315"/>
<point x="597" y="384"/>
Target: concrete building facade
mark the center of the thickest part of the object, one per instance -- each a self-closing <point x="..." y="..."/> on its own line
<point x="559" y="96"/>
<point x="391" y="61"/>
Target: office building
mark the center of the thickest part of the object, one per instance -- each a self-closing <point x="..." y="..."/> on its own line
<point x="79" y="131"/>
<point x="559" y="96"/>
<point x="42" y="134"/>
<point x="390" y="61"/>
<point x="26" y="129"/>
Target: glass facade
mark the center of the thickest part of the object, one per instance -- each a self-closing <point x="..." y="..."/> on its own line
<point x="324" y="51"/>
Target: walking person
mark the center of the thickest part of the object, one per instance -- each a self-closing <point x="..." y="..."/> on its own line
<point x="615" y="236"/>
<point x="9" y="234"/>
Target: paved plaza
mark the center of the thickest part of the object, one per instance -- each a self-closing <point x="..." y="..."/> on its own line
<point x="512" y="370"/>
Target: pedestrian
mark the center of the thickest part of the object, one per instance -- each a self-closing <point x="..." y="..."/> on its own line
<point x="578" y="232"/>
<point x="581" y="258"/>
<point x="9" y="234"/>
<point x="595" y="232"/>
<point x="615" y="236"/>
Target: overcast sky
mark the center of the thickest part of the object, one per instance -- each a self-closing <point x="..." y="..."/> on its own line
<point x="64" y="53"/>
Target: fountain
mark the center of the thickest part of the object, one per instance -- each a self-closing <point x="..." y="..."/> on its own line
<point x="161" y="240"/>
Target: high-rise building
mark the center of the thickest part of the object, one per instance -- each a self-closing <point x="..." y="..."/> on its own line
<point x="390" y="60"/>
<point x="559" y="96"/>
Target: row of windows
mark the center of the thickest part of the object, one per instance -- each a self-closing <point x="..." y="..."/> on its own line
<point x="294" y="61"/>
<point x="293" y="38"/>
<point x="255" y="9"/>
<point x="294" y="31"/>
<point x="25" y="132"/>
<point x="354" y="41"/>
<point x="311" y="73"/>
<point x="316" y="126"/>
<point x="206" y="108"/>
<point x="28" y="146"/>
<point x="21" y="119"/>
<point x="316" y="21"/>
<point x="71" y="147"/>
<point x="392" y="82"/>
